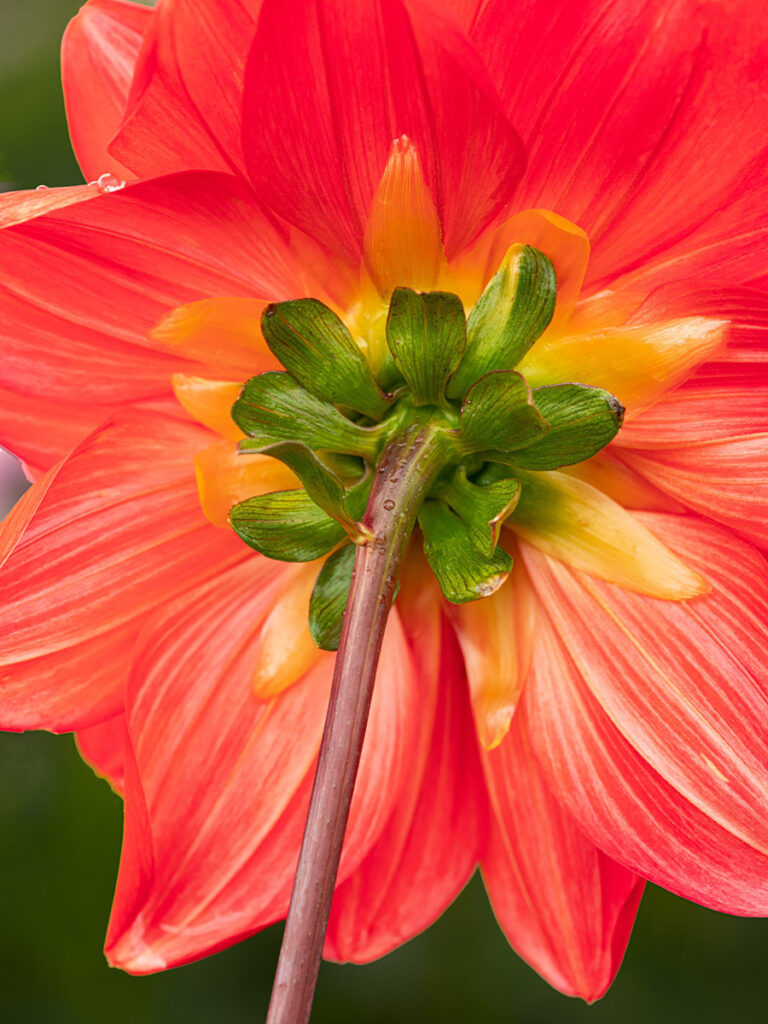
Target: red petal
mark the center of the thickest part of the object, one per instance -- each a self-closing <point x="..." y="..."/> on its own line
<point x="113" y="266"/>
<point x="639" y="124"/>
<point x="103" y="747"/>
<point x="704" y="183"/>
<point x="430" y="845"/>
<point x="565" y="907"/>
<point x="745" y="362"/>
<point x="17" y="207"/>
<point x="112" y="533"/>
<point x="184" y="109"/>
<point x="651" y="717"/>
<point x="41" y="433"/>
<point x="725" y="480"/>
<point x="367" y="74"/>
<point x="98" y="59"/>
<point x="225" y="778"/>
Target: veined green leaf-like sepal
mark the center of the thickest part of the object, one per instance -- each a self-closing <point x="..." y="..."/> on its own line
<point x="322" y="485"/>
<point x="329" y="598"/>
<point x="426" y="333"/>
<point x="513" y="311"/>
<point x="582" y="421"/>
<point x="286" y="525"/>
<point x="499" y="413"/>
<point x="483" y="509"/>
<point x="274" y="407"/>
<point x="317" y="349"/>
<point x="464" y="574"/>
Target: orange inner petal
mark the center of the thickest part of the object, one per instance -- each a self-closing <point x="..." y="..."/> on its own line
<point x="565" y="244"/>
<point x="285" y="650"/>
<point x="225" y="334"/>
<point x="496" y="636"/>
<point x="209" y="402"/>
<point x="403" y="244"/>
<point x="225" y="477"/>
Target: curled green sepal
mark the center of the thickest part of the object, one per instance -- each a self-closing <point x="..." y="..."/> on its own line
<point x="513" y="311"/>
<point x="582" y="421"/>
<point x="344" y="504"/>
<point x="483" y="508"/>
<point x="274" y="407"/>
<point x="317" y="349"/>
<point x="329" y="598"/>
<point x="286" y="525"/>
<point x="499" y="413"/>
<point x="464" y="574"/>
<point x="426" y="334"/>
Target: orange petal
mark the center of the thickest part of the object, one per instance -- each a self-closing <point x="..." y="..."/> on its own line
<point x="565" y="244"/>
<point x="222" y="333"/>
<point x="636" y="364"/>
<point x="403" y="237"/>
<point x="209" y="402"/>
<point x="284" y="649"/>
<point x="581" y="526"/>
<point x="225" y="477"/>
<point x="495" y="635"/>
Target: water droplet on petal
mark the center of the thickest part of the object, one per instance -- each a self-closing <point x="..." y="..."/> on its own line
<point x="389" y="504"/>
<point x="108" y="183"/>
<point x="41" y="188"/>
<point x="490" y="586"/>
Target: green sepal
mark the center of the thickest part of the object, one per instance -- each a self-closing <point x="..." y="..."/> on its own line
<point x="286" y="525"/>
<point x="323" y="485"/>
<point x="483" y="508"/>
<point x="274" y="407"/>
<point x="317" y="349"/>
<point x="426" y="334"/>
<point x="329" y="598"/>
<point x="513" y="311"/>
<point x="464" y="574"/>
<point x="499" y="413"/>
<point x="582" y="421"/>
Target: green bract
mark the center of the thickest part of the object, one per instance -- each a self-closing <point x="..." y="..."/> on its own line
<point x="454" y="383"/>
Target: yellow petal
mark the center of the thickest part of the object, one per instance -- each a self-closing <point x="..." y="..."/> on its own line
<point x="209" y="402"/>
<point x="285" y="650"/>
<point x="225" y="477"/>
<point x="403" y="244"/>
<point x="636" y="364"/>
<point x="581" y="526"/>
<point x="496" y="639"/>
<point x="220" y="333"/>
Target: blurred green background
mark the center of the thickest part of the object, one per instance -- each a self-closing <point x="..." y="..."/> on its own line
<point x="60" y="826"/>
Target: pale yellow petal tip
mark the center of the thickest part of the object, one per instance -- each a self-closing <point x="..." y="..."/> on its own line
<point x="131" y="954"/>
<point x="493" y="727"/>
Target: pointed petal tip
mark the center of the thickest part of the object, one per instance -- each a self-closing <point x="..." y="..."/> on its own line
<point x="130" y="953"/>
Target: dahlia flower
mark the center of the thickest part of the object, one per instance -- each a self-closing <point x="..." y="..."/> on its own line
<point x="600" y="717"/>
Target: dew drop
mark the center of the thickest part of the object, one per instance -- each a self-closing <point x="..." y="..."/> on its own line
<point x="488" y="587"/>
<point x="41" y="188"/>
<point x="389" y="504"/>
<point x="108" y="183"/>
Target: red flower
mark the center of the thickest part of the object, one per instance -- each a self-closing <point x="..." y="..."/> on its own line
<point x="630" y="642"/>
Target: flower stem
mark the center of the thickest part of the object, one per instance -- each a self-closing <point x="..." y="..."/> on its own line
<point x="405" y="472"/>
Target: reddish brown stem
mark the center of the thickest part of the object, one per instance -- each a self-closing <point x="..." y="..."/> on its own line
<point x="406" y="470"/>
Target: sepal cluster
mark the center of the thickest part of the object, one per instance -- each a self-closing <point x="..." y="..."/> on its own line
<point x="330" y="421"/>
